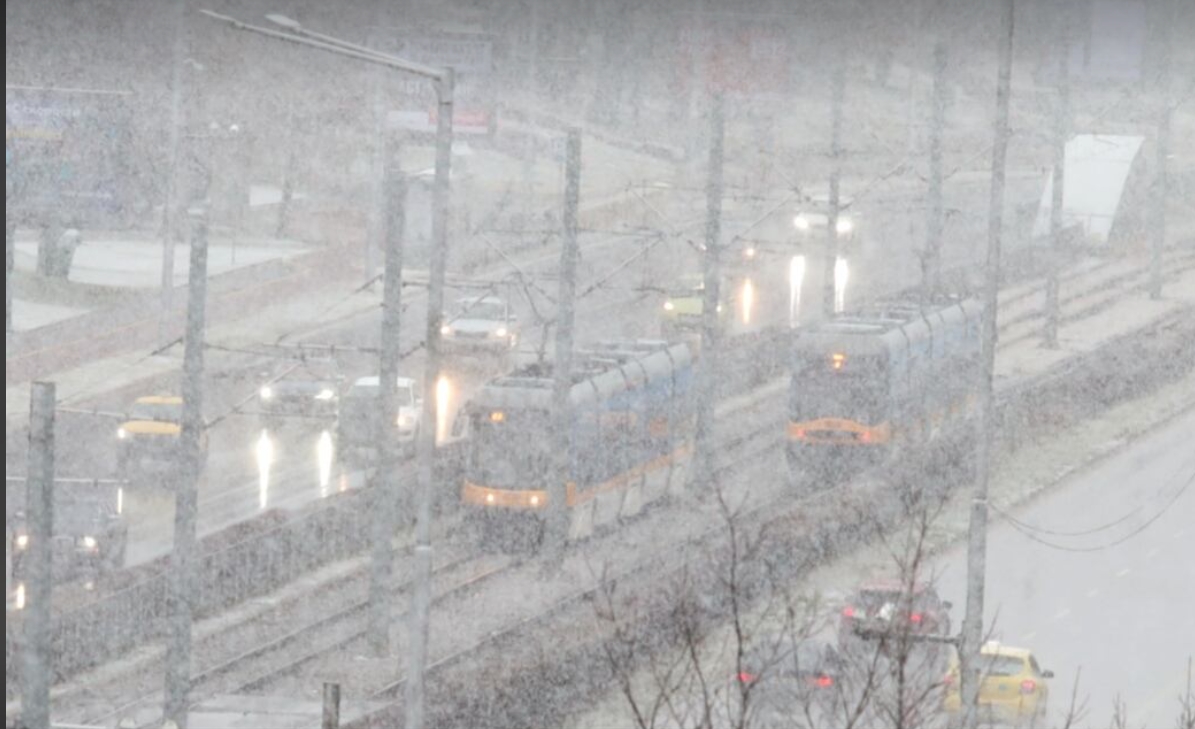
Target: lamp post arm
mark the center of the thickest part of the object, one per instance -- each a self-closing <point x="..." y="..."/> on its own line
<point x="338" y="47"/>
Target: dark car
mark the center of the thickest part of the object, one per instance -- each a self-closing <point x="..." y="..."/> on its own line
<point x="90" y="534"/>
<point x="881" y="612"/>
<point x="297" y="399"/>
<point x="790" y="677"/>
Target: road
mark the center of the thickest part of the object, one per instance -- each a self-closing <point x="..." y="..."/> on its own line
<point x="235" y="488"/>
<point x="1097" y="579"/>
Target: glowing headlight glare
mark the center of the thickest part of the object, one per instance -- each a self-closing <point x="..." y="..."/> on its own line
<point x="266" y="392"/>
<point x="265" y="459"/>
<point x="669" y="306"/>
<point x="323" y="457"/>
<point x="500" y="332"/>
<point x="22" y="541"/>
<point x="325" y="394"/>
<point x="749" y="252"/>
<point x="489" y="498"/>
<point x="801" y="222"/>
<point x="535" y="501"/>
<point x="445" y="330"/>
<point x="122" y="433"/>
<point x="443" y="400"/>
<point x="88" y="543"/>
<point x="844" y="226"/>
<point x="747" y="302"/>
<point x="19" y="598"/>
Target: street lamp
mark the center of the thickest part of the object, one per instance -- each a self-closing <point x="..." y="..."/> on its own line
<point x="444" y="78"/>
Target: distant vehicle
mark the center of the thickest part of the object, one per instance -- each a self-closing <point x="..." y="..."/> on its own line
<point x="895" y="373"/>
<point x="149" y="441"/>
<point x="1013" y="688"/>
<point x="790" y="676"/>
<point x="90" y="534"/>
<point x="357" y="425"/>
<point x="480" y="325"/>
<point x="810" y="232"/>
<point x="632" y="424"/>
<point x="296" y="397"/>
<point x="685" y="303"/>
<point x="884" y="610"/>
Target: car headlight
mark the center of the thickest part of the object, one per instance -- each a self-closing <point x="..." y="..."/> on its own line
<point x="325" y="394"/>
<point x="406" y="420"/>
<point x="266" y="392"/>
<point x="719" y="309"/>
<point x="122" y="433"/>
<point x="749" y="251"/>
<point x="801" y="222"/>
<point x="446" y="331"/>
<point x="844" y="226"/>
<point x="22" y="541"/>
<point x="88" y="543"/>
<point x="500" y="332"/>
<point x="669" y="306"/>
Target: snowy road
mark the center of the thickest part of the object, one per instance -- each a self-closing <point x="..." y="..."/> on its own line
<point x="1097" y="579"/>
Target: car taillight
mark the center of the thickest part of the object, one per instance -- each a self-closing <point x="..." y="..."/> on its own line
<point x="1028" y="686"/>
<point x="948" y="680"/>
<point x="745" y="677"/>
<point x="824" y="682"/>
<point x="865" y="437"/>
<point x="848" y="612"/>
<point x="915" y="617"/>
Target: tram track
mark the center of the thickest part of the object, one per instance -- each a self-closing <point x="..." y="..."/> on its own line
<point x="285" y="654"/>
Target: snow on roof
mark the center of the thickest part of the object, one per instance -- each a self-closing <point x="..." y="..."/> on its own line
<point x="1097" y="168"/>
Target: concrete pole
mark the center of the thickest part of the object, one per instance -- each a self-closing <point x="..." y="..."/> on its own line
<point x="710" y="317"/>
<point x="557" y="528"/>
<point x="39" y="510"/>
<point x="331" y="708"/>
<point x="837" y="92"/>
<point x="1161" y="184"/>
<point x="421" y="595"/>
<point x="972" y="635"/>
<point x="170" y="203"/>
<point x="186" y="499"/>
<point x="386" y="486"/>
<point x="1057" y="188"/>
<point x="932" y="273"/>
<point x="10" y="246"/>
<point x="530" y="151"/>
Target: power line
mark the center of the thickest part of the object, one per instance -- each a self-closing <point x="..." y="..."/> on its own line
<point x="1101" y="547"/>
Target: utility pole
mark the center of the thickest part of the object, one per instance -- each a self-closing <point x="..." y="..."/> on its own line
<point x="421" y="595"/>
<point x="837" y="92"/>
<point x="530" y="150"/>
<point x="330" y="718"/>
<point x="10" y="246"/>
<point x="386" y="494"/>
<point x="711" y="298"/>
<point x="1058" y="185"/>
<point x="931" y="282"/>
<point x="562" y="373"/>
<point x="39" y="509"/>
<point x="186" y="498"/>
<point x="1162" y="183"/>
<point x="977" y="536"/>
<point x="170" y="205"/>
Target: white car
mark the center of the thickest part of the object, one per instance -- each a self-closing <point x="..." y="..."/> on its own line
<point x="356" y="421"/>
<point x="480" y="325"/>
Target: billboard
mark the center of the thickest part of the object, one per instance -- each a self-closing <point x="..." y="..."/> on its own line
<point x="470" y="54"/>
<point x="67" y="154"/>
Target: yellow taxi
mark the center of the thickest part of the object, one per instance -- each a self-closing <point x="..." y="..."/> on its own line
<point x="1012" y="689"/>
<point x="151" y="434"/>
